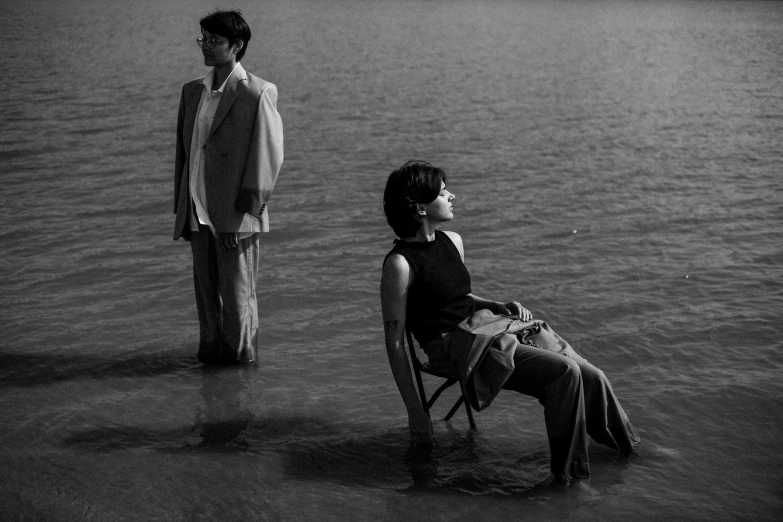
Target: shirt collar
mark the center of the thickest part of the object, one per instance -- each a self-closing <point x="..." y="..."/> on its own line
<point x="210" y="77"/>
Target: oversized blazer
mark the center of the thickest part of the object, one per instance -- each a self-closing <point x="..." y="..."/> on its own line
<point x="242" y="155"/>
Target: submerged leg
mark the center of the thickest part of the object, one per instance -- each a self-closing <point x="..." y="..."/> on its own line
<point x="208" y="305"/>
<point x="238" y="272"/>
<point x="556" y="382"/>
<point x="607" y="423"/>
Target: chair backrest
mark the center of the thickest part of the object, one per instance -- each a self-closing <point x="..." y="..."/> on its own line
<point x="415" y="360"/>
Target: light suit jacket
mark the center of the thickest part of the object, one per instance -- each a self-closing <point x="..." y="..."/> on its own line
<point x="242" y="155"/>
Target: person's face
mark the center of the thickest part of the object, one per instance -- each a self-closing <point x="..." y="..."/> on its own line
<point x="440" y="209"/>
<point x="221" y="53"/>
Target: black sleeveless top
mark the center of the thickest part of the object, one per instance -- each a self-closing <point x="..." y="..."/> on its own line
<point x="438" y="299"/>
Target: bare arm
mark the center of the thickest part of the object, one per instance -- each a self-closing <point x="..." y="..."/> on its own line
<point x="514" y="308"/>
<point x="395" y="282"/>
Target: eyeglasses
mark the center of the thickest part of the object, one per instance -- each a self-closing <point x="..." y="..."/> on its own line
<point x="211" y="42"/>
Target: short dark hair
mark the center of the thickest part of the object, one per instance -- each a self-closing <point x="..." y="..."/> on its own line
<point x="416" y="182"/>
<point x="229" y="24"/>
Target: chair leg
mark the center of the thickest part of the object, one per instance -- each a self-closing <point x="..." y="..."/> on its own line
<point x="455" y="407"/>
<point x="468" y="409"/>
<point x="426" y="404"/>
<point x="422" y="395"/>
<point x="440" y="390"/>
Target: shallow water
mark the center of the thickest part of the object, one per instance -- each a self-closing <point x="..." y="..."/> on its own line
<point x="617" y="168"/>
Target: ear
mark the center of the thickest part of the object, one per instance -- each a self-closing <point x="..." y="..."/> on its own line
<point x="420" y="210"/>
<point x="238" y="46"/>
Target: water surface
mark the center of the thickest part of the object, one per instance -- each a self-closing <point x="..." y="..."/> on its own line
<point x="617" y="169"/>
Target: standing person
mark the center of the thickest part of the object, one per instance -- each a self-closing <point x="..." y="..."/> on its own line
<point x="229" y="153"/>
<point x="425" y="287"/>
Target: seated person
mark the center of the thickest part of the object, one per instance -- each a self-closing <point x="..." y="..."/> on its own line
<point x="426" y="287"/>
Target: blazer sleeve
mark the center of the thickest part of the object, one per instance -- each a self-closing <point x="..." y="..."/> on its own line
<point x="179" y="161"/>
<point x="265" y="157"/>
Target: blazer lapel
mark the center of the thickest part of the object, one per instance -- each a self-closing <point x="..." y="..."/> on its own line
<point x="228" y="98"/>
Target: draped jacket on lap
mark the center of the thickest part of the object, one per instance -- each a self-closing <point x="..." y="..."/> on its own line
<point x="482" y="349"/>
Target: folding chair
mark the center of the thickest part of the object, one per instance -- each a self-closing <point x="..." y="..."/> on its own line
<point x="418" y="368"/>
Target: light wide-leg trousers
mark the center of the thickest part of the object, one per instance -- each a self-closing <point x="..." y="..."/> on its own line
<point x="225" y="284"/>
<point x="578" y="400"/>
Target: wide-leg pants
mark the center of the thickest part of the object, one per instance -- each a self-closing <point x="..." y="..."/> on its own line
<point x="225" y="283"/>
<point x="578" y="401"/>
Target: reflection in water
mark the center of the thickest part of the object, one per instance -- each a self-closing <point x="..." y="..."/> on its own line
<point x="486" y="464"/>
<point x="472" y="463"/>
<point x="223" y="417"/>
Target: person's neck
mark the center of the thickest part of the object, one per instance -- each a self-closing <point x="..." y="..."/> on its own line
<point x="221" y="73"/>
<point x="425" y="234"/>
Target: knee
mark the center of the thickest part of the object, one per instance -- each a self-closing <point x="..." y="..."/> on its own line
<point x="591" y="374"/>
<point x="571" y="370"/>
